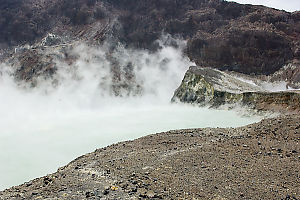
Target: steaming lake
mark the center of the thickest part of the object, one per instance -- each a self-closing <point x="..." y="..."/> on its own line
<point x="34" y="147"/>
<point x="46" y="126"/>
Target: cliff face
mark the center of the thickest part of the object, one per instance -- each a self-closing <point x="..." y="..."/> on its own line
<point x="207" y="86"/>
<point x="256" y="42"/>
<point x="223" y="35"/>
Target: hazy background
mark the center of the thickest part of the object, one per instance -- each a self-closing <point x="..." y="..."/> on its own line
<point x="288" y="5"/>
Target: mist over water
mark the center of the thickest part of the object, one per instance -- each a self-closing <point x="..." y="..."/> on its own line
<point x="101" y="98"/>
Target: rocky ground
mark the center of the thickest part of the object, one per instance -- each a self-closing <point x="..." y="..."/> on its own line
<point x="258" y="161"/>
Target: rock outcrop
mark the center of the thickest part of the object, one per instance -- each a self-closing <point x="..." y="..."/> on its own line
<point x="207" y="86"/>
<point x="289" y="73"/>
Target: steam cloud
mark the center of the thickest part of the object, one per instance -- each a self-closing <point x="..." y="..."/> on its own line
<point x="103" y="97"/>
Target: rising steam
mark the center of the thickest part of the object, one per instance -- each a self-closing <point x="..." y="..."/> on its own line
<point x="102" y="96"/>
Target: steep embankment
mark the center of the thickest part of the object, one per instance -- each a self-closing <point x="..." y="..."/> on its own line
<point x="207" y="86"/>
<point x="258" y="161"/>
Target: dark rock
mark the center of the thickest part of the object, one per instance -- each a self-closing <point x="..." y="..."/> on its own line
<point x="89" y="194"/>
<point x="221" y="34"/>
<point x="105" y="192"/>
<point x="28" y="184"/>
<point x="240" y="50"/>
<point x="47" y="180"/>
<point x="279" y="150"/>
<point x="133" y="189"/>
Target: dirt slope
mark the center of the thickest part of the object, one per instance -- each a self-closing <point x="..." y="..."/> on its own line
<point x="258" y="161"/>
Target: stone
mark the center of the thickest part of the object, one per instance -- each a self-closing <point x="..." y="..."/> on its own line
<point x="105" y="192"/>
<point x="279" y="150"/>
<point x="150" y="194"/>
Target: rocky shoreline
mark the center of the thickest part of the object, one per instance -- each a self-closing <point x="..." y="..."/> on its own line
<point x="258" y="161"/>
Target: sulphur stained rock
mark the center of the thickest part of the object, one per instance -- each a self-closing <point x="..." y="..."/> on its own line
<point x="207" y="86"/>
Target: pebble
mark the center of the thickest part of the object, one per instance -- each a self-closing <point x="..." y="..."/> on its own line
<point x="150" y="194"/>
<point x="89" y="194"/>
<point x="259" y="143"/>
<point x="105" y="192"/>
<point x="279" y="150"/>
<point x="133" y="189"/>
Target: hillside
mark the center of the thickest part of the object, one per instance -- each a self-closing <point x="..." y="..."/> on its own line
<point x="220" y="34"/>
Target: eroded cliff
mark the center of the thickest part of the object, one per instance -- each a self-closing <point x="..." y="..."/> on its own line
<point x="207" y="86"/>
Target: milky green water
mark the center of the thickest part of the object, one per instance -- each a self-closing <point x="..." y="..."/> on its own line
<point x="40" y="145"/>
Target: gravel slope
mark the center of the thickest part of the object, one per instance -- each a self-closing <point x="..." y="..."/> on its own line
<point x="258" y="161"/>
